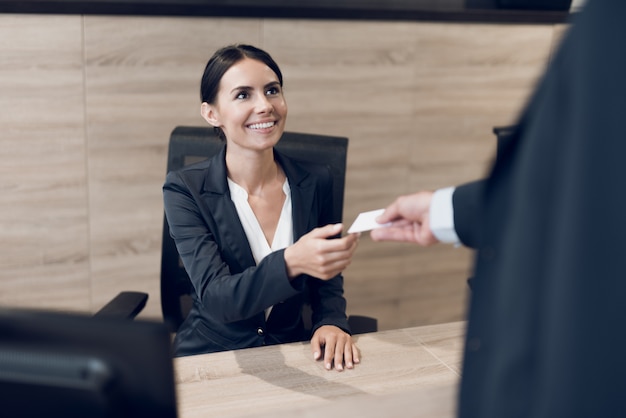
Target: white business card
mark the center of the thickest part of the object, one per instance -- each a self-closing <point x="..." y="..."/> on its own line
<point x="366" y="221"/>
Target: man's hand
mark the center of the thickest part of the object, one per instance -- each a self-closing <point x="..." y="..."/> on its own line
<point x="409" y="216"/>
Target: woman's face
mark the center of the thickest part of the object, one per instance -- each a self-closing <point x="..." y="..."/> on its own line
<point x="250" y="107"/>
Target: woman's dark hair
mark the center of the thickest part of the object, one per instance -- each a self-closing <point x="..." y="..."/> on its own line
<point x="226" y="57"/>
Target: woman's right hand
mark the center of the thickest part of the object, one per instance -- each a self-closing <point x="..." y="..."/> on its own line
<point x="318" y="256"/>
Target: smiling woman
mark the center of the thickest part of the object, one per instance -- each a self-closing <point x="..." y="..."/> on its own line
<point x="251" y="225"/>
<point x="249" y="100"/>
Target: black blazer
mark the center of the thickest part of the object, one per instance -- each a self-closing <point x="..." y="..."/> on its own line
<point x="546" y="332"/>
<point x="231" y="291"/>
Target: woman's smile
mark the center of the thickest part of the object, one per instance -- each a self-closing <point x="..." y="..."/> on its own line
<point x="262" y="125"/>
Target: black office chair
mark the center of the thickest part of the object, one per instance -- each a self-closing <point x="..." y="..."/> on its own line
<point x="504" y="134"/>
<point x="125" y="305"/>
<point x="192" y="144"/>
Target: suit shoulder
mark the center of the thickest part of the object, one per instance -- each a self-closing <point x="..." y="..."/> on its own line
<point x="320" y="170"/>
<point x="193" y="174"/>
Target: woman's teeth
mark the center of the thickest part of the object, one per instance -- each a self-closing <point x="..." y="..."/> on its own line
<point x="264" y="125"/>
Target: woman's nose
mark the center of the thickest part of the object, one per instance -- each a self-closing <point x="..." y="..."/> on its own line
<point x="263" y="105"/>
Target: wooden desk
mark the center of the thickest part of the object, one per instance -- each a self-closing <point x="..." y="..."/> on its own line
<point x="405" y="372"/>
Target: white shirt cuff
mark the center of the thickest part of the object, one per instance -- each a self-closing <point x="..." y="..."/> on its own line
<point x="442" y="216"/>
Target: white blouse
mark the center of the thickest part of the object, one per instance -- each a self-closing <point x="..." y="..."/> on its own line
<point x="283" y="237"/>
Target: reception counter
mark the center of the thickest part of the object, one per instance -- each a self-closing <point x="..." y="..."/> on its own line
<point x="411" y="369"/>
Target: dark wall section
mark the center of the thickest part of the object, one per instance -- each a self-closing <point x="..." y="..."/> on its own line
<point x="481" y="11"/>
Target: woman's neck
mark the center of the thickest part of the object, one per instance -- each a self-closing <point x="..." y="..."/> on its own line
<point x="254" y="172"/>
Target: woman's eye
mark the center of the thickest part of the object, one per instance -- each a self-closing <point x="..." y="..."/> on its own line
<point x="272" y="91"/>
<point x="242" y="95"/>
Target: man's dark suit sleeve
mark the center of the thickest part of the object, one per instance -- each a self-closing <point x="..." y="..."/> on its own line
<point x="466" y="201"/>
<point x="545" y="335"/>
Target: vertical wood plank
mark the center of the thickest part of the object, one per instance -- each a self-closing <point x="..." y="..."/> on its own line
<point x="43" y="205"/>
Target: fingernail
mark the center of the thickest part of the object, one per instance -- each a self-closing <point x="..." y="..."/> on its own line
<point x="316" y="355"/>
<point x="327" y="366"/>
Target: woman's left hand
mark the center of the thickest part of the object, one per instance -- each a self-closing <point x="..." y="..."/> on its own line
<point x="339" y="349"/>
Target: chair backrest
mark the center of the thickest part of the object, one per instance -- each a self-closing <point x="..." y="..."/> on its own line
<point x="192" y="144"/>
<point x="504" y="135"/>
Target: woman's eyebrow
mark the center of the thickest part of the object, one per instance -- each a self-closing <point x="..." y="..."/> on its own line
<point x="246" y="88"/>
<point x="241" y="88"/>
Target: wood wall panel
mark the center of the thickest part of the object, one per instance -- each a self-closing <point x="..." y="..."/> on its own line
<point x="417" y="100"/>
<point x="468" y="79"/>
<point x="43" y="205"/>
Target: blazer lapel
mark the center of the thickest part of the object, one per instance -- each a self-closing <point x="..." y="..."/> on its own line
<point x="216" y="196"/>
<point x="229" y="231"/>
<point x="302" y="186"/>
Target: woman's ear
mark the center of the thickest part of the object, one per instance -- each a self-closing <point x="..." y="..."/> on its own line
<point x="209" y="113"/>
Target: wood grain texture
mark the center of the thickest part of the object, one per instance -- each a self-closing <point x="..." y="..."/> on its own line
<point x="43" y="205"/>
<point x="88" y="104"/>
<point x="284" y="380"/>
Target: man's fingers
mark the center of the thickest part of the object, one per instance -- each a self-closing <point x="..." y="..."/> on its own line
<point x="390" y="213"/>
<point x="392" y="233"/>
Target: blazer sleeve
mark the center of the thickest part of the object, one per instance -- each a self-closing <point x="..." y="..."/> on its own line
<point x="467" y="203"/>
<point x="227" y="294"/>
<point x="328" y="304"/>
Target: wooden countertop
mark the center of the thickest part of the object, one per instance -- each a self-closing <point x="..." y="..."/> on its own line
<point x="416" y="368"/>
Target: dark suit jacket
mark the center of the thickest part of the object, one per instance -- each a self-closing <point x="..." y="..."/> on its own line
<point x="231" y="291"/>
<point x="546" y="332"/>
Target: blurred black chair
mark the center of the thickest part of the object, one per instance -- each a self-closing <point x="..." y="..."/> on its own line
<point x="125" y="305"/>
<point x="192" y="144"/>
<point x="72" y="365"/>
<point x="504" y="134"/>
